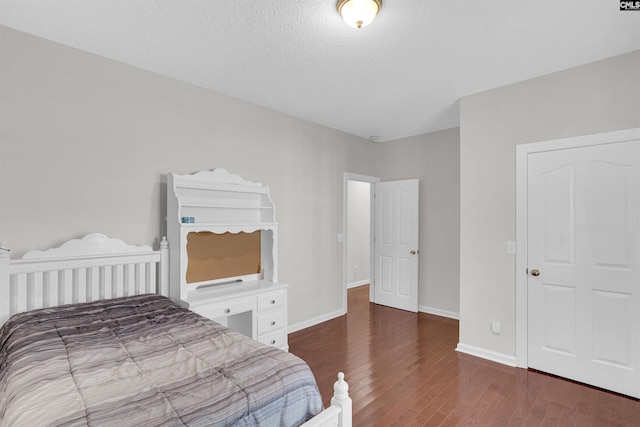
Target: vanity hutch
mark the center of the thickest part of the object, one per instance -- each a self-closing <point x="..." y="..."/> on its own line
<point x="223" y="258"/>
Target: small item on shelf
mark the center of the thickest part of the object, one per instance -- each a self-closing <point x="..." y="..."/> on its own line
<point x="188" y="220"/>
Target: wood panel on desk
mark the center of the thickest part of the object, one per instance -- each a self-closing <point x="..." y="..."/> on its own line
<point x="403" y="370"/>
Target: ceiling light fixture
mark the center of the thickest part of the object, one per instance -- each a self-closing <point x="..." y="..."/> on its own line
<point x="358" y="13"/>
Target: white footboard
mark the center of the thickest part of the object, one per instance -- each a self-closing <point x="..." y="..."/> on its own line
<point x="339" y="414"/>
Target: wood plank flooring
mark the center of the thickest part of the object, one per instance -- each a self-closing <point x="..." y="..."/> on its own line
<point x="403" y="370"/>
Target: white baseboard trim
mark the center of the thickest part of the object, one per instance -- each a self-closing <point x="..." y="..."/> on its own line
<point x="356" y="284"/>
<point x="439" y="312"/>
<point x="316" y="320"/>
<point x="487" y="354"/>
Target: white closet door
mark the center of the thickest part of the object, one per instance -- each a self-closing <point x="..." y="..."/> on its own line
<point x="584" y="264"/>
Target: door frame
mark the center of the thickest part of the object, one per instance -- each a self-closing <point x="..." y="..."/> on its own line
<point x="345" y="184"/>
<point x="522" y="153"/>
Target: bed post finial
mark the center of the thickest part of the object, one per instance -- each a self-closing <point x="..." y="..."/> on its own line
<point x="341" y="398"/>
<point x="341" y="388"/>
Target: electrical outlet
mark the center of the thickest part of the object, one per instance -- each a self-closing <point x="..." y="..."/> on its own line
<point x="495" y="327"/>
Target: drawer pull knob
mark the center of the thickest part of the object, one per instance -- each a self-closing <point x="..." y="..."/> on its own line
<point x="273" y="323"/>
<point x="227" y="310"/>
<point x="272" y="301"/>
<point x="273" y="342"/>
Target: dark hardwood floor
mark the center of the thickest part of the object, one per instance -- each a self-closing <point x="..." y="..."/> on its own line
<point x="403" y="370"/>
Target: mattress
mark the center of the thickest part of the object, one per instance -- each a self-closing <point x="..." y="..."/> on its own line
<point x="145" y="361"/>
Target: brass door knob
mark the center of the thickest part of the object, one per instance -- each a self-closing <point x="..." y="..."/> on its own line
<point x="413" y="252"/>
<point x="535" y="272"/>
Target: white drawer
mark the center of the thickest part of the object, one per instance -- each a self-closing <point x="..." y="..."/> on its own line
<point x="274" y="339"/>
<point x="271" y="300"/>
<point x="270" y="321"/>
<point x="224" y="309"/>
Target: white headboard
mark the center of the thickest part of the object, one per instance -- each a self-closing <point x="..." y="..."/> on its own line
<point x="81" y="270"/>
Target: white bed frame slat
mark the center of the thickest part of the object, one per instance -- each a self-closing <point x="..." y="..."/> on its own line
<point x="81" y="270"/>
<point x="97" y="267"/>
<point x="48" y="285"/>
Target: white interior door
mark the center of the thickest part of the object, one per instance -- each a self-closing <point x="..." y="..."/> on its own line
<point x="584" y="264"/>
<point x="396" y="244"/>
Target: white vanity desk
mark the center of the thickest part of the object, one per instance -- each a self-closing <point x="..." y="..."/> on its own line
<point x="257" y="309"/>
<point x="233" y="283"/>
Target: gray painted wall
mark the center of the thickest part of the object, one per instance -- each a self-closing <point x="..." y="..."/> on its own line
<point x="598" y="97"/>
<point x="86" y="142"/>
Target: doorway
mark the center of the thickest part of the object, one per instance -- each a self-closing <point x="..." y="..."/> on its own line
<point x="392" y="252"/>
<point x="357" y="232"/>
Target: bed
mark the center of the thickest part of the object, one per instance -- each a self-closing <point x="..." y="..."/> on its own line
<point x="88" y="337"/>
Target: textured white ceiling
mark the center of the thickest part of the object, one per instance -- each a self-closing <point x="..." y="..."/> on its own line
<point x="400" y="76"/>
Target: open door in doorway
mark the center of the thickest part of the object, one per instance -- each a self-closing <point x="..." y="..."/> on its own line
<point x="396" y="252"/>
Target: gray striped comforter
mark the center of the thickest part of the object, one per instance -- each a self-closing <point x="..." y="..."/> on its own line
<point x="144" y="361"/>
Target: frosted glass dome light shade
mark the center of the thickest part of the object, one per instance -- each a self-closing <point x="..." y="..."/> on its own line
<point x="358" y="13"/>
